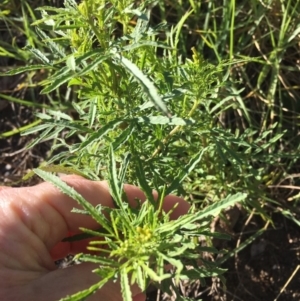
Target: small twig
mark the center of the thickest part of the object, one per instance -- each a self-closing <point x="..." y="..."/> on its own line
<point x="285" y="186"/>
<point x="288" y="281"/>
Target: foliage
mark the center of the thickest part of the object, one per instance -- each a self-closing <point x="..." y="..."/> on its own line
<point x="150" y="110"/>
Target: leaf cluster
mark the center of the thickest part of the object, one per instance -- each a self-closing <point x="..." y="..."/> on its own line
<point x="147" y="116"/>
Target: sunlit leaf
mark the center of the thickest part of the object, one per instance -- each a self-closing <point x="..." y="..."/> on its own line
<point x="146" y="83"/>
<point x="125" y="287"/>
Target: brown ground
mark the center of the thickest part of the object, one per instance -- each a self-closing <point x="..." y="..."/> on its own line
<point x="258" y="272"/>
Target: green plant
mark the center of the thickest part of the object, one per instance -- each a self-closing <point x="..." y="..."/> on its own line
<point x="148" y="116"/>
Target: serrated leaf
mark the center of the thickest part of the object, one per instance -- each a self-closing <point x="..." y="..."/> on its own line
<point x="55" y="48"/>
<point x="148" y="85"/>
<point x="186" y="171"/>
<point x="35" y="129"/>
<point x="70" y="62"/>
<point x="50" y="131"/>
<point x="153" y="275"/>
<point x="62" y="169"/>
<point x="99" y="260"/>
<point x="25" y="69"/>
<point x="58" y="81"/>
<point x="125" y="287"/>
<point x="165" y="120"/>
<point x="59" y="115"/>
<point x="215" y="208"/>
<point x="101" y="132"/>
<point x="82" y="295"/>
<point x="243" y="245"/>
<point x="140" y="43"/>
<point x="72" y="193"/>
<point x="123" y="137"/>
<point x="143" y="184"/>
<point x="92" y="111"/>
<point x="113" y="180"/>
<point x="195" y="273"/>
<point x="141" y="281"/>
<point x="93" y="65"/>
<point x="175" y="262"/>
<point x="39" y="55"/>
<point x="180" y="250"/>
<point x="212" y="210"/>
<point x="124" y="167"/>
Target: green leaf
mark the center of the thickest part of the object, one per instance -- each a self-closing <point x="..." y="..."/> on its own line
<point x="58" y="79"/>
<point x="38" y="54"/>
<point x="123" y="137"/>
<point x="143" y="184"/>
<point x="92" y="111"/>
<point x="179" y="26"/>
<point x="124" y="167"/>
<point x="153" y="275"/>
<point x="100" y="133"/>
<point x="25" y="69"/>
<point x="197" y="273"/>
<point x="215" y="208"/>
<point x="141" y="281"/>
<point x="175" y="262"/>
<point x="50" y="131"/>
<point x="72" y="193"/>
<point x="70" y="62"/>
<point x="55" y="47"/>
<point x="82" y="295"/>
<point x="113" y="180"/>
<point x="212" y="210"/>
<point x="185" y="171"/>
<point x="243" y="245"/>
<point x="36" y="129"/>
<point x="93" y="65"/>
<point x="148" y="85"/>
<point x="165" y="120"/>
<point x="125" y="287"/>
<point x="98" y="259"/>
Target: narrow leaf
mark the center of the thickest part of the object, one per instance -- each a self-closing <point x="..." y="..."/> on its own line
<point x="147" y="84"/>
<point x="113" y="181"/>
<point x="72" y="193"/>
<point x="165" y="120"/>
<point x="100" y="133"/>
<point x="98" y="259"/>
<point x="82" y="295"/>
<point x="123" y="137"/>
<point x="125" y="287"/>
<point x="24" y="69"/>
<point x="186" y="171"/>
<point x="143" y="184"/>
<point x="70" y="62"/>
<point x="38" y="54"/>
<point x="124" y="168"/>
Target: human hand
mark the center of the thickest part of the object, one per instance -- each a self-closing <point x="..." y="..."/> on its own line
<point x="33" y="222"/>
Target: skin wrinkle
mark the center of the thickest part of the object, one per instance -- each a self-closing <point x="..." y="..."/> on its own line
<point x="89" y="193"/>
<point x="44" y="221"/>
<point x="70" y="247"/>
<point x="16" y="248"/>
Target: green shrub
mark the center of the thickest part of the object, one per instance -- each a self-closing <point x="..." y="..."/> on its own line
<point x="144" y="115"/>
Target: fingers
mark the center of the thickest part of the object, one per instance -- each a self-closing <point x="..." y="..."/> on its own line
<point x="47" y="211"/>
<point x="4" y="187"/>
<point x="96" y="193"/>
<point x="57" y="284"/>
